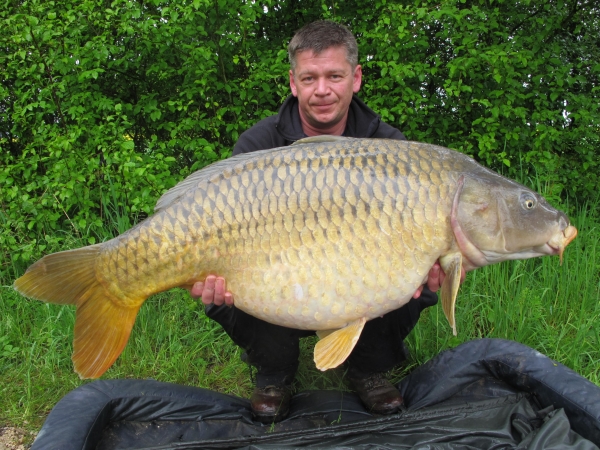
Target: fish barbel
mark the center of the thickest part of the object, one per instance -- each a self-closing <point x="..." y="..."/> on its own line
<point x="321" y="235"/>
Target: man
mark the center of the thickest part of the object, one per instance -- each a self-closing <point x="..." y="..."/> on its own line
<point x="324" y="76"/>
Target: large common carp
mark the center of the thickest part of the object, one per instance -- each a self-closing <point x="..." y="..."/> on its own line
<point x="321" y="235"/>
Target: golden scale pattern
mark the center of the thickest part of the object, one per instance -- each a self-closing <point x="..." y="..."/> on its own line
<point x="312" y="236"/>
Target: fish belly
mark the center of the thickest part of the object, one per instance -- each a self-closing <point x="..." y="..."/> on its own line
<point x="326" y="294"/>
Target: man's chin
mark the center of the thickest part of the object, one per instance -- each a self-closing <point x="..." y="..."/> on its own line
<point x="324" y="120"/>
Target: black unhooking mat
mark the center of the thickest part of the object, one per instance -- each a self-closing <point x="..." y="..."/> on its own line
<point x="485" y="394"/>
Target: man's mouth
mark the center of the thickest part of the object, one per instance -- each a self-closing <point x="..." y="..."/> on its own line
<point x="322" y="106"/>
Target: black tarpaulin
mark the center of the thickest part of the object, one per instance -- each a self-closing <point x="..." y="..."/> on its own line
<point x="487" y="393"/>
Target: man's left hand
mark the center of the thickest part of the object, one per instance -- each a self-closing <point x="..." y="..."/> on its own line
<point x="436" y="279"/>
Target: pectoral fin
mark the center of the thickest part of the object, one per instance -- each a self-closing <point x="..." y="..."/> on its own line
<point x="333" y="349"/>
<point x="452" y="265"/>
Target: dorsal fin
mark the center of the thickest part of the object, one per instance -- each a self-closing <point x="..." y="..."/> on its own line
<point x="320" y="139"/>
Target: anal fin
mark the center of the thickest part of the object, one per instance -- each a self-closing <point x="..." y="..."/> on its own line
<point x="332" y="350"/>
<point x="452" y="265"/>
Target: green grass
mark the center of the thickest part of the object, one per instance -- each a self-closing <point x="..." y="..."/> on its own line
<point x="552" y="308"/>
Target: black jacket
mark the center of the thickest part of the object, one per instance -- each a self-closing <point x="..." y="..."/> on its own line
<point x="285" y="127"/>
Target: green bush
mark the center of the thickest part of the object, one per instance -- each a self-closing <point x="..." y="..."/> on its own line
<point x="105" y="105"/>
<point x="514" y="84"/>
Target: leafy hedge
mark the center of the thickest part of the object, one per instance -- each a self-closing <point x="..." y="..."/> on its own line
<point x="105" y="105"/>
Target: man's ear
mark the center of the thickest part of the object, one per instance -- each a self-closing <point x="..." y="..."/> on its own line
<point x="293" y="84"/>
<point x="357" y="78"/>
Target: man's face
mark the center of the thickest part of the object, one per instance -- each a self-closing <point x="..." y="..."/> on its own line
<point x="324" y="85"/>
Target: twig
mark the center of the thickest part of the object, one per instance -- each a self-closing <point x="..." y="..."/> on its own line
<point x="65" y="212"/>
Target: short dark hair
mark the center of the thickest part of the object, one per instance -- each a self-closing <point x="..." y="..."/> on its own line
<point x="319" y="36"/>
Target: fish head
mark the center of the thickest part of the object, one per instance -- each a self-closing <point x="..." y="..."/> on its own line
<point x="495" y="219"/>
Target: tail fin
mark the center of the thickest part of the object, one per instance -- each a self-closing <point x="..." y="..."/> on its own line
<point x="103" y="323"/>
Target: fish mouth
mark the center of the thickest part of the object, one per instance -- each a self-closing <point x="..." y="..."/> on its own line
<point x="557" y="244"/>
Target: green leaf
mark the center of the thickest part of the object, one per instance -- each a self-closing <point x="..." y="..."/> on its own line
<point x="127" y="145"/>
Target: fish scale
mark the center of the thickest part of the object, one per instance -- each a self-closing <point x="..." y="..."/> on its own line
<point x="322" y="235"/>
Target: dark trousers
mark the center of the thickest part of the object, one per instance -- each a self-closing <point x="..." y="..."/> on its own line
<point x="274" y="349"/>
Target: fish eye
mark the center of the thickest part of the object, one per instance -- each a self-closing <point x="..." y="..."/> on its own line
<point x="528" y="201"/>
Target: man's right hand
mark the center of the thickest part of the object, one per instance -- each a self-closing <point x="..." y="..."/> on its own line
<point x="212" y="290"/>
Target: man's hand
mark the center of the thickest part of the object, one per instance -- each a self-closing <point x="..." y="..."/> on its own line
<point x="212" y="290"/>
<point x="436" y="278"/>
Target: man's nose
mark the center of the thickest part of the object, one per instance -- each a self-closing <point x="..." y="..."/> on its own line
<point x="322" y="86"/>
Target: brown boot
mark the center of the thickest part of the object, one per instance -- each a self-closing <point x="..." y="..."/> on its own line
<point x="271" y="403"/>
<point x="377" y="394"/>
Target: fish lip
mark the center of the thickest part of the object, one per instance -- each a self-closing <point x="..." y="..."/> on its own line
<point x="556" y="244"/>
<point x="548" y="249"/>
<point x="568" y="234"/>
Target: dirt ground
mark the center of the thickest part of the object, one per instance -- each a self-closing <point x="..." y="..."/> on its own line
<point x="15" y="438"/>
